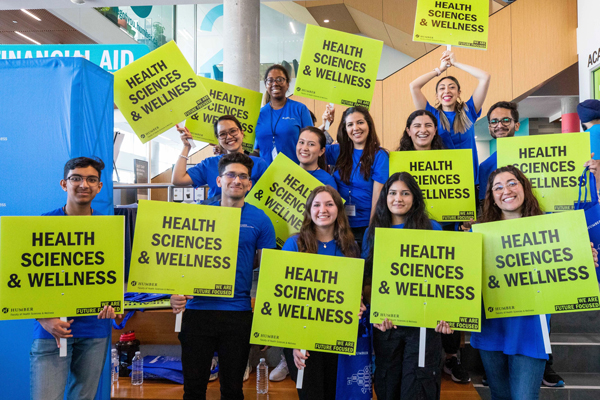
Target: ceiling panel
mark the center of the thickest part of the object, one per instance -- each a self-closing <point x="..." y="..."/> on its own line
<point x="50" y="30"/>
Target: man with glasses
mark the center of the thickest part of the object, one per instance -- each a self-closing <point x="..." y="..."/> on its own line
<point x="228" y="131"/>
<point x="224" y="324"/>
<point x="87" y="337"/>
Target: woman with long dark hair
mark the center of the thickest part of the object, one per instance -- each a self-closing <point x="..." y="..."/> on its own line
<point x="281" y="119"/>
<point x="325" y="230"/>
<point x="397" y="375"/>
<point x="361" y="167"/>
<point x="421" y="133"/>
<point x="310" y="151"/>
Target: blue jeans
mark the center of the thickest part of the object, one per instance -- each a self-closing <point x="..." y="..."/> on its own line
<point x="79" y="371"/>
<point x="513" y="377"/>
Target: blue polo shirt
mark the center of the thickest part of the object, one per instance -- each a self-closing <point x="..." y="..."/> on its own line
<point x="459" y="140"/>
<point x="325" y="248"/>
<point x="485" y="170"/>
<point x="82" y="327"/>
<point x="324" y="177"/>
<point x="256" y="232"/>
<point x="359" y="191"/>
<point x="207" y="171"/>
<point x="281" y="127"/>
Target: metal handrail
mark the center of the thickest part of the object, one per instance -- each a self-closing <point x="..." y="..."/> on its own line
<point x="168" y="186"/>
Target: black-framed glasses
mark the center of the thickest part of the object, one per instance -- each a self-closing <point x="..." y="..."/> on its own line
<point x="233" y="175"/>
<point x="510" y="184"/>
<point x="279" y="80"/>
<point x="77" y="179"/>
<point x="504" y="121"/>
<point x="232" y="132"/>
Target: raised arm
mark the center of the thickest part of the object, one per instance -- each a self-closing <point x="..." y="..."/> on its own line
<point x="419" y="99"/>
<point x="180" y="175"/>
<point x="483" y="77"/>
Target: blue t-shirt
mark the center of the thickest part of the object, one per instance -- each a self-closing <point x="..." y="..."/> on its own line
<point x="360" y="191"/>
<point x="459" y="140"/>
<point x="324" y="177"/>
<point x="82" y="327"/>
<point x="281" y="127"/>
<point x="365" y="246"/>
<point x="256" y="232"/>
<point x="595" y="140"/>
<point x="485" y="170"/>
<point x="207" y="171"/>
<point x="325" y="248"/>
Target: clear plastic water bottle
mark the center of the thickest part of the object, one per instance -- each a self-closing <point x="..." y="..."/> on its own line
<point x="262" y="377"/>
<point x="137" y="371"/>
<point x="114" y="361"/>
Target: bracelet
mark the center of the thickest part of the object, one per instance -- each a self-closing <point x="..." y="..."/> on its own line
<point x="437" y="71"/>
<point x="182" y="156"/>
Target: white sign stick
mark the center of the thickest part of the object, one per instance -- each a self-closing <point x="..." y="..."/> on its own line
<point x="448" y="48"/>
<point x="422" y="337"/>
<point x="327" y="123"/>
<point x="190" y="141"/>
<point x="545" y="334"/>
<point x="63" y="342"/>
<point x="300" y="377"/>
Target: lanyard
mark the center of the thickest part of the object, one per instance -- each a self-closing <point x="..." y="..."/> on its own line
<point x="274" y="128"/>
<point x="354" y="171"/>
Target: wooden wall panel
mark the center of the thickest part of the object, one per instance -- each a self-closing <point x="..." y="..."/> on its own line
<point x="400" y="14"/>
<point x="373" y="8"/>
<point x="544" y="41"/>
<point x="370" y="26"/>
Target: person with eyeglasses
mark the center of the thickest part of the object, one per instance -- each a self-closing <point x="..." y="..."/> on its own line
<point x="228" y="131"/>
<point x="281" y="119"/>
<point x="223" y="324"/>
<point x="87" y="337"/>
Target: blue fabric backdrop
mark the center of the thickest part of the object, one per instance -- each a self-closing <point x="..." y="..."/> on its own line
<point x="52" y="110"/>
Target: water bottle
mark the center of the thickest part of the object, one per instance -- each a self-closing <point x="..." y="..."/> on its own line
<point x="262" y="377"/>
<point x="137" y="372"/>
<point x="114" y="361"/>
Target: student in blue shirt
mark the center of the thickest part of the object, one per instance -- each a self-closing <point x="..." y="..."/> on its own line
<point x="223" y="324"/>
<point x="87" y="337"/>
<point x="589" y="115"/>
<point x="281" y="119"/>
<point x="228" y="131"/>
<point x="397" y="375"/>
<point x="310" y="151"/>
<point x="361" y="167"/>
<point x="325" y="231"/>
<point x="456" y="118"/>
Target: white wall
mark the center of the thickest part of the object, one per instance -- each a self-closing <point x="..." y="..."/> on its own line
<point x="588" y="41"/>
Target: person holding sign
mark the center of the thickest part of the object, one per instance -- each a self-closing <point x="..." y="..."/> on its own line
<point x="456" y="118"/>
<point x="224" y="324"/>
<point x="310" y="150"/>
<point x="326" y="231"/>
<point x="397" y="376"/>
<point x="87" y="337"/>
<point x="228" y="131"/>
<point x="361" y="167"/>
<point x="280" y="121"/>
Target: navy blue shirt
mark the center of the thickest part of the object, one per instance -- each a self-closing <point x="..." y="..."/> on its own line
<point x="281" y="127"/>
<point x="256" y="232"/>
<point x="485" y="170"/>
<point x="324" y="177"/>
<point x="82" y="327"/>
<point x="207" y="171"/>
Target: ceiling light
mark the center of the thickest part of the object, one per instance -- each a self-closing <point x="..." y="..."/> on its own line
<point x="27" y="37"/>
<point x="292" y="26"/>
<point x="78" y="2"/>
<point x="326" y="20"/>
<point x="14" y="22"/>
<point x="475" y="137"/>
<point x="30" y="14"/>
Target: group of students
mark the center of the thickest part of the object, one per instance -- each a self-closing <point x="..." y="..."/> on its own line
<point x="355" y="169"/>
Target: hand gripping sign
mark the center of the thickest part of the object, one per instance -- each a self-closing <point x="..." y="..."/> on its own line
<point x="445" y="178"/>
<point x="553" y="164"/>
<point x="338" y="67"/>
<point x="308" y="301"/>
<point x="55" y="266"/>
<point x="158" y="91"/>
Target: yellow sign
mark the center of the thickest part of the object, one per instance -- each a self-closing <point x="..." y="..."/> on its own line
<point x="553" y="164"/>
<point x="244" y="104"/>
<point x="301" y="306"/>
<point x="184" y="249"/>
<point x="281" y="193"/>
<point x="158" y="91"/>
<point x="445" y="178"/>
<point x="458" y="23"/>
<point x="338" y="67"/>
<point x="538" y="265"/>
<point x="422" y="276"/>
<point x="60" y="267"/>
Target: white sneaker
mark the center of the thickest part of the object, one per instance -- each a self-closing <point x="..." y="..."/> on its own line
<point x="280" y="372"/>
<point x="214" y="369"/>
<point x="248" y="371"/>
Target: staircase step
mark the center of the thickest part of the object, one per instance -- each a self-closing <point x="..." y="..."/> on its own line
<point x="579" y="322"/>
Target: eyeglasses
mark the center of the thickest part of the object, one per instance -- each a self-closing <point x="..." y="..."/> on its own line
<point x="232" y="132"/>
<point x="279" y="80"/>
<point x="77" y="179"/>
<point x="233" y="175"/>
<point x="510" y="184"/>
<point x="505" y="121"/>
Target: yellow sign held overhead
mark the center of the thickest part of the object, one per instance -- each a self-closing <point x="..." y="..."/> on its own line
<point x="461" y="23"/>
<point x="158" y="91"/>
<point x="53" y="266"/>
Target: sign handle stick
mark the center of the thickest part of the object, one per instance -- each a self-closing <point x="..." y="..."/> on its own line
<point x="422" y="336"/>
<point x="190" y="141"/>
<point x="327" y="123"/>
<point x="545" y="334"/>
<point x="63" y="342"/>
<point x="300" y="377"/>
<point x="178" y="319"/>
<point x="448" y="48"/>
